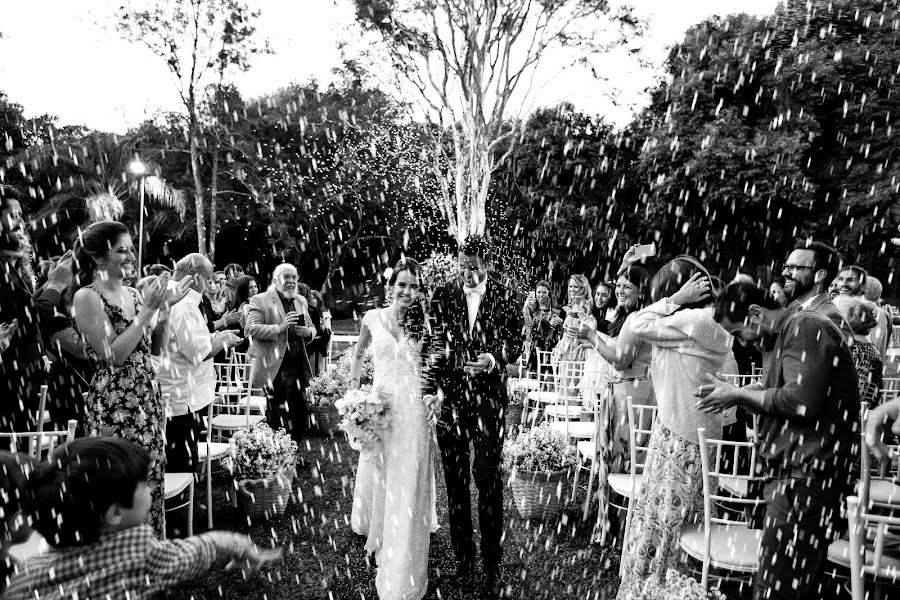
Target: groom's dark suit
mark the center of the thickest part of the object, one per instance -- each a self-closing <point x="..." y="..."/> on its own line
<point x="473" y="411"/>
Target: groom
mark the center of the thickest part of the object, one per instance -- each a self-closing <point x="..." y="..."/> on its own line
<point x="476" y="318"/>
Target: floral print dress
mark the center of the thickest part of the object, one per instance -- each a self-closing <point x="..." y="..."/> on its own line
<point x="125" y="402"/>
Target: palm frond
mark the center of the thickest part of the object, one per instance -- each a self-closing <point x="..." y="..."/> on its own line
<point x="159" y="192"/>
<point x="104" y="206"/>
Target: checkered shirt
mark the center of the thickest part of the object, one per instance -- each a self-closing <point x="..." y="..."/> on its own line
<point x="125" y="565"/>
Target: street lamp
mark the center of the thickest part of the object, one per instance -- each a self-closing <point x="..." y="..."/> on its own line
<point x="138" y="169"/>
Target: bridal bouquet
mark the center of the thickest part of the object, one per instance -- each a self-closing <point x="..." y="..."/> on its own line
<point x="364" y="418"/>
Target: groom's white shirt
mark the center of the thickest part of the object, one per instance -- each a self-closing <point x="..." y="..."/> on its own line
<point x="473" y="301"/>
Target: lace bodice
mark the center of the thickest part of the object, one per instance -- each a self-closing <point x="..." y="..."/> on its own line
<point x="396" y="359"/>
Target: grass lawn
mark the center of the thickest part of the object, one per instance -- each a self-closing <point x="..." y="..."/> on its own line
<point x="325" y="559"/>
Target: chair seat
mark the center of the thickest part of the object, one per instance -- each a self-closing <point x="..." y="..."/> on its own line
<point x="177" y="483"/>
<point x="839" y="553"/>
<point x="735" y="487"/>
<point x="732" y="547"/>
<point x="33" y="546"/>
<point x="256" y="402"/>
<point x="543" y="397"/>
<point x="217" y="450"/>
<point x="577" y="429"/>
<point x="621" y="483"/>
<point x="224" y="421"/>
<point x="884" y="491"/>
<point x="586" y="448"/>
<point x="561" y="411"/>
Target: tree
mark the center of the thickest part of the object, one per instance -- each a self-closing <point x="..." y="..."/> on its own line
<point x="463" y="61"/>
<point x="198" y="40"/>
<point x="776" y="128"/>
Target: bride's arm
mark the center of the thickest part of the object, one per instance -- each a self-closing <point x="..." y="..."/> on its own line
<point x="358" y="352"/>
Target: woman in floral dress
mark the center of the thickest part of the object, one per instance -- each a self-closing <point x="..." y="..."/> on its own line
<point x="124" y="399"/>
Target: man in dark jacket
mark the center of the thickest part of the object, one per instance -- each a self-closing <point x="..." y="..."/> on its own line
<point x="808" y="404"/>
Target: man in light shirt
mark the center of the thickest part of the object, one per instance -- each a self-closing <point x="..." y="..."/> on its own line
<point x="185" y="370"/>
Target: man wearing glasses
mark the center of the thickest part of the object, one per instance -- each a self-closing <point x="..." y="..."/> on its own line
<point x="278" y="328"/>
<point x="808" y="402"/>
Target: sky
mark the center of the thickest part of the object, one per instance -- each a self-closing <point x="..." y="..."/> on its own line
<point x="64" y="58"/>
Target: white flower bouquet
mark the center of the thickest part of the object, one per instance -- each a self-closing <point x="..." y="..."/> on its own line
<point x="676" y="587"/>
<point x="439" y="270"/>
<point x="540" y="449"/>
<point x="517" y="390"/>
<point x="258" y="452"/>
<point x="364" y="418"/>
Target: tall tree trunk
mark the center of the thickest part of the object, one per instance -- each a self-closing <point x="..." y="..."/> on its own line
<point x="213" y="190"/>
<point x="198" y="187"/>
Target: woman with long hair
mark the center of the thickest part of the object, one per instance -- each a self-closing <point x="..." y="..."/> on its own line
<point x="687" y="344"/>
<point x="245" y="287"/>
<point x="622" y="357"/>
<point x="604" y="305"/>
<point x="116" y="323"/>
<point x="543" y="325"/>
<point x="394" y="497"/>
<point x="578" y="314"/>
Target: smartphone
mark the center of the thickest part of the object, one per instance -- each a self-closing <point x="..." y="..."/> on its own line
<point x="645" y="251"/>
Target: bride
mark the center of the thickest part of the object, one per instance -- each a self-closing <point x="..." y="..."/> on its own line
<point x="394" y="499"/>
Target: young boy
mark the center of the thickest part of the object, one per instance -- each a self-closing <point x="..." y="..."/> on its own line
<point x="12" y="519"/>
<point x="90" y="502"/>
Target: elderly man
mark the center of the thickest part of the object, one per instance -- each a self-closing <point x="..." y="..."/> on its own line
<point x="278" y="326"/>
<point x="185" y="370"/>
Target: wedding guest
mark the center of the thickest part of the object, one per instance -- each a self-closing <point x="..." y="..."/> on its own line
<point x="851" y="280"/>
<point x="604" y="305"/>
<point x="318" y="347"/>
<point x="862" y="316"/>
<point x="627" y="357"/>
<point x="543" y="324"/>
<point x="115" y="323"/>
<point x="13" y="514"/>
<point x="687" y="343"/>
<point x="245" y="287"/>
<point x="185" y="372"/>
<point x="278" y="326"/>
<point x="884" y="329"/>
<point x="91" y="503"/>
<point x="156" y="270"/>
<point x="577" y="314"/>
<point x="807" y="404"/>
<point x="233" y="272"/>
<point x="776" y="288"/>
<point x="24" y="314"/>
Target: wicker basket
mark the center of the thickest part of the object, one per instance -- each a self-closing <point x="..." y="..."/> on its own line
<point x="324" y="418"/>
<point x="513" y="418"/>
<point x="265" y="498"/>
<point x="540" y="495"/>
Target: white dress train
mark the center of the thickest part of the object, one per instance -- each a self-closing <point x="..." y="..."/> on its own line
<point x="394" y="495"/>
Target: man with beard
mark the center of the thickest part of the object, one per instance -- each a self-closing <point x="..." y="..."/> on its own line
<point x="807" y="401"/>
<point x="278" y="326"/>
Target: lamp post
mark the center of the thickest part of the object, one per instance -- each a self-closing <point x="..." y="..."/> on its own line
<point x="138" y="169"/>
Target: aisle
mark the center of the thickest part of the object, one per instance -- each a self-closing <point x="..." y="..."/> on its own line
<point x="325" y="559"/>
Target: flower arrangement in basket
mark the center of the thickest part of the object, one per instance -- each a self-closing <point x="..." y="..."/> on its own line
<point x="263" y="463"/>
<point x="676" y="587"/>
<point x="364" y="418"/>
<point x="329" y="386"/>
<point x="517" y="392"/>
<point x="539" y="461"/>
<point x="439" y="270"/>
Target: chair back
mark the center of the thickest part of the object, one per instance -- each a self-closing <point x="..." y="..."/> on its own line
<point x="722" y="458"/>
<point x="641" y="418"/>
<point x="35" y="443"/>
<point x="873" y="471"/>
<point x="240" y="358"/>
<point x="739" y="380"/>
<point x="868" y="533"/>
<point x="890" y="388"/>
<point x="232" y="385"/>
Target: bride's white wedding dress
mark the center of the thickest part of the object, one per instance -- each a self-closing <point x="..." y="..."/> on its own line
<point x="394" y="497"/>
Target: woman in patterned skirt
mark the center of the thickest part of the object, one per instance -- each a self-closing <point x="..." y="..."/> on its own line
<point x="115" y="323"/>
<point x="687" y="344"/>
